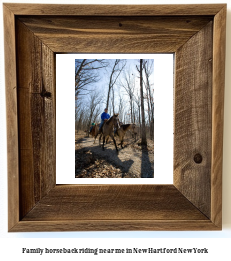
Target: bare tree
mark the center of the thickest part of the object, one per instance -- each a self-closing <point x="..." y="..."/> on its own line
<point x="128" y="85"/>
<point x="94" y="101"/>
<point x="79" y="118"/>
<point x="87" y="73"/>
<point x="115" y="73"/>
<point x="148" y="69"/>
<point x="143" y="137"/>
<point x="113" y="100"/>
<point x="96" y="114"/>
<point x="121" y="108"/>
<point x="137" y="101"/>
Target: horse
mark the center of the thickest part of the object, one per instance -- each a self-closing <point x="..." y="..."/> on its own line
<point x="121" y="131"/>
<point x="94" y="131"/>
<point x="108" y="129"/>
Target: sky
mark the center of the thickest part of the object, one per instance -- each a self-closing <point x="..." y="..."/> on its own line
<point x="101" y="86"/>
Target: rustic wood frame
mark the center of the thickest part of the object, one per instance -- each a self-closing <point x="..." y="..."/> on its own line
<point x="33" y="33"/>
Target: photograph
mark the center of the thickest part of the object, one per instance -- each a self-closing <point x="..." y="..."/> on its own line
<point x="114" y="118"/>
<point x="110" y="106"/>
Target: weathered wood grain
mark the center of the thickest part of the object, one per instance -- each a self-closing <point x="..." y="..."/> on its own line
<point x="113" y="202"/>
<point x="28" y="189"/>
<point x="195" y="202"/>
<point x="36" y="120"/>
<point x="11" y="116"/>
<point x="48" y="144"/>
<point x="114" y="225"/>
<point x="115" y="34"/>
<point x="218" y="115"/>
<point x="114" y="10"/>
<point x="193" y="125"/>
<point x="114" y="207"/>
<point x="114" y="25"/>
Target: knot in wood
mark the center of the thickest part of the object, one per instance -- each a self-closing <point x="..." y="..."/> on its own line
<point x="198" y="158"/>
<point x="45" y="94"/>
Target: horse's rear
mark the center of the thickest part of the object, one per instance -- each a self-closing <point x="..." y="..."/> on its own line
<point x="96" y="131"/>
<point x="108" y="129"/>
<point x="121" y="131"/>
<point x="92" y="131"/>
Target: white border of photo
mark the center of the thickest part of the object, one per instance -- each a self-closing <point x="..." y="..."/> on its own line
<point x="163" y="119"/>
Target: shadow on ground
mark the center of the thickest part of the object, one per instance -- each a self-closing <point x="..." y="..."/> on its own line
<point x="86" y="156"/>
<point x="147" y="168"/>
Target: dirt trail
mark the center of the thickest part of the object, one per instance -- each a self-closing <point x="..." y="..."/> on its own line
<point x="130" y="162"/>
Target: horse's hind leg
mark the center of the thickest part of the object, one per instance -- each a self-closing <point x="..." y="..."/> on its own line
<point x="96" y="137"/>
<point x="103" y="141"/>
<point x="114" y="142"/>
<point x="100" y="139"/>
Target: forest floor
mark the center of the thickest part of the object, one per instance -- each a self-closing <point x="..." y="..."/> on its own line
<point x="133" y="161"/>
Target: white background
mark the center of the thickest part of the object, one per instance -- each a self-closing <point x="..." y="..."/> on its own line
<point x="65" y="115"/>
<point x="218" y="242"/>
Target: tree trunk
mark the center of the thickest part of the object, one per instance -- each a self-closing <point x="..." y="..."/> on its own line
<point x="143" y="137"/>
<point x="113" y="101"/>
<point x="150" y="101"/>
<point x="131" y="109"/>
<point x="113" y="78"/>
<point x="89" y="123"/>
<point x="139" y="120"/>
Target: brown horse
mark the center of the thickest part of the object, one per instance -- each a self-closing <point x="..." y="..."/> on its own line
<point x="94" y="131"/>
<point x="121" y="131"/>
<point x="108" y="129"/>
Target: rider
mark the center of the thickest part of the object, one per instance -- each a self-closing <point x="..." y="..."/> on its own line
<point x="104" y="117"/>
<point x="92" y="125"/>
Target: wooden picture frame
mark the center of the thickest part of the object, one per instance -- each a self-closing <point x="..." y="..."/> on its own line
<point x="33" y="34"/>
